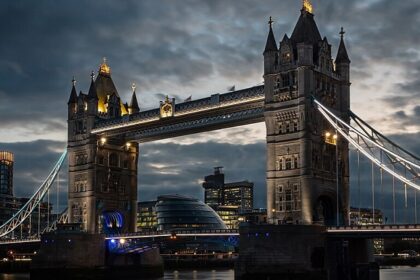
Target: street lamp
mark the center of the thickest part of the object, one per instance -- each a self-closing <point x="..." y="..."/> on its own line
<point x="273" y="211"/>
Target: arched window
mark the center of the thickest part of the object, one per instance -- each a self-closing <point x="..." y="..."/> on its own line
<point x="288" y="163"/>
<point x="295" y="162"/>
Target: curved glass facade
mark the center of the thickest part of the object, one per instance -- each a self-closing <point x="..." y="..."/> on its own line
<point x="176" y="212"/>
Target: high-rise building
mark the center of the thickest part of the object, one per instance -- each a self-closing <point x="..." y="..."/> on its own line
<point x="229" y="200"/>
<point x="6" y="173"/>
<point x="213" y="186"/>
<point x="146" y="216"/>
<point x="219" y="193"/>
<point x="9" y="204"/>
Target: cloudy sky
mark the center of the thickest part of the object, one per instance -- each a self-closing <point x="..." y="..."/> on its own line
<point x="197" y="48"/>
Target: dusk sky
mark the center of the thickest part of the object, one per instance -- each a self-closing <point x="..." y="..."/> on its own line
<point x="198" y="48"/>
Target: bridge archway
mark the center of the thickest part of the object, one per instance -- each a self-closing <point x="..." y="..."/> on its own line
<point x="324" y="210"/>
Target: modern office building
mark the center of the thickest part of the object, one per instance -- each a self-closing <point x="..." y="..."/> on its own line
<point x="229" y="200"/>
<point x="175" y="212"/>
<point x="218" y="193"/>
<point x="6" y="173"/>
<point x="146" y="216"/>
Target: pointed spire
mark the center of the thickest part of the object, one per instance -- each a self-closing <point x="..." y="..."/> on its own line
<point x="271" y="45"/>
<point x="104" y="69"/>
<point x="307" y="6"/>
<point x="306" y="30"/>
<point x="73" y="94"/>
<point x="134" y="105"/>
<point x="342" y="56"/>
<point x="92" y="90"/>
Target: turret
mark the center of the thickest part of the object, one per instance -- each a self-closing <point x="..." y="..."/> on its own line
<point x="133" y="108"/>
<point x="92" y="98"/>
<point x="342" y="62"/>
<point x="270" y="51"/>
<point x="72" y="103"/>
<point x="306" y="36"/>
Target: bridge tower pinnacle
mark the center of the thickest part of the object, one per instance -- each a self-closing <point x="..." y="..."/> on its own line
<point x="301" y="163"/>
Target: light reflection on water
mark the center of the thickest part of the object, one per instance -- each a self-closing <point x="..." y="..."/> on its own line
<point x="219" y="274"/>
<point x="396" y="273"/>
<point x="400" y="273"/>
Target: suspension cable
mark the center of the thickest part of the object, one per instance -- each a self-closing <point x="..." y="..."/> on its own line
<point x="373" y="193"/>
<point x="48" y="209"/>
<point x="358" y="180"/>
<point x="336" y="178"/>
<point x="58" y="196"/>
<point x="415" y="207"/>
<point x="393" y="196"/>
<point x="39" y="218"/>
<point x="370" y="157"/>
<point x="382" y="184"/>
<point x="351" y="128"/>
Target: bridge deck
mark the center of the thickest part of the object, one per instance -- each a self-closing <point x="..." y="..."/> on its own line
<point x="218" y="111"/>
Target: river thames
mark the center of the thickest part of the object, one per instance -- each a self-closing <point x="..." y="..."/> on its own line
<point x="400" y="273"/>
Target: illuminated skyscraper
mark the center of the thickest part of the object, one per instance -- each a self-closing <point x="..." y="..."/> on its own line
<point x="229" y="200"/>
<point x="6" y="173"/>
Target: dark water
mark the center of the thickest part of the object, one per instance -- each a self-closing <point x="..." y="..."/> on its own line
<point x="396" y="273"/>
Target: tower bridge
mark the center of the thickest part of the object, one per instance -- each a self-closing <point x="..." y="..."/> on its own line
<point x="305" y="104"/>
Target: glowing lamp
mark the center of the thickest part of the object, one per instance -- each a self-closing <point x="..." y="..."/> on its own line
<point x="122" y="241"/>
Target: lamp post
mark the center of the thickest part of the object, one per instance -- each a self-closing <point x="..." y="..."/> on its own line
<point x="273" y="211"/>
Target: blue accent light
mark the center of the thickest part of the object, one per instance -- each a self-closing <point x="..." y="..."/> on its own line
<point x="113" y="241"/>
<point x="256" y="235"/>
<point x="267" y="234"/>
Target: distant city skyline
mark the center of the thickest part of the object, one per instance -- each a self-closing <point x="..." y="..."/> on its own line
<point x="192" y="49"/>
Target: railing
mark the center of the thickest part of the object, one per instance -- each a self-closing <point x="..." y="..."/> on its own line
<point x="394" y="228"/>
<point x="151" y="234"/>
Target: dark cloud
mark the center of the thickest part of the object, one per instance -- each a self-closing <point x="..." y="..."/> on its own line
<point x="186" y="45"/>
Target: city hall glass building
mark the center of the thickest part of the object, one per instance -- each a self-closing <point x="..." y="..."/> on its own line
<point x="175" y="212"/>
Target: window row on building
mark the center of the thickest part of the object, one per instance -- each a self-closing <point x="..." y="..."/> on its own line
<point x="287" y="162"/>
<point x="285" y="80"/>
<point x="290" y="126"/>
<point x="287" y="198"/>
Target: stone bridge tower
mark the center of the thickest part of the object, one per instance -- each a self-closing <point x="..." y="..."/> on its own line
<point x="102" y="183"/>
<point x="301" y="146"/>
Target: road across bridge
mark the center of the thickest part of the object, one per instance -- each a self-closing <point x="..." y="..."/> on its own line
<point x="368" y="232"/>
